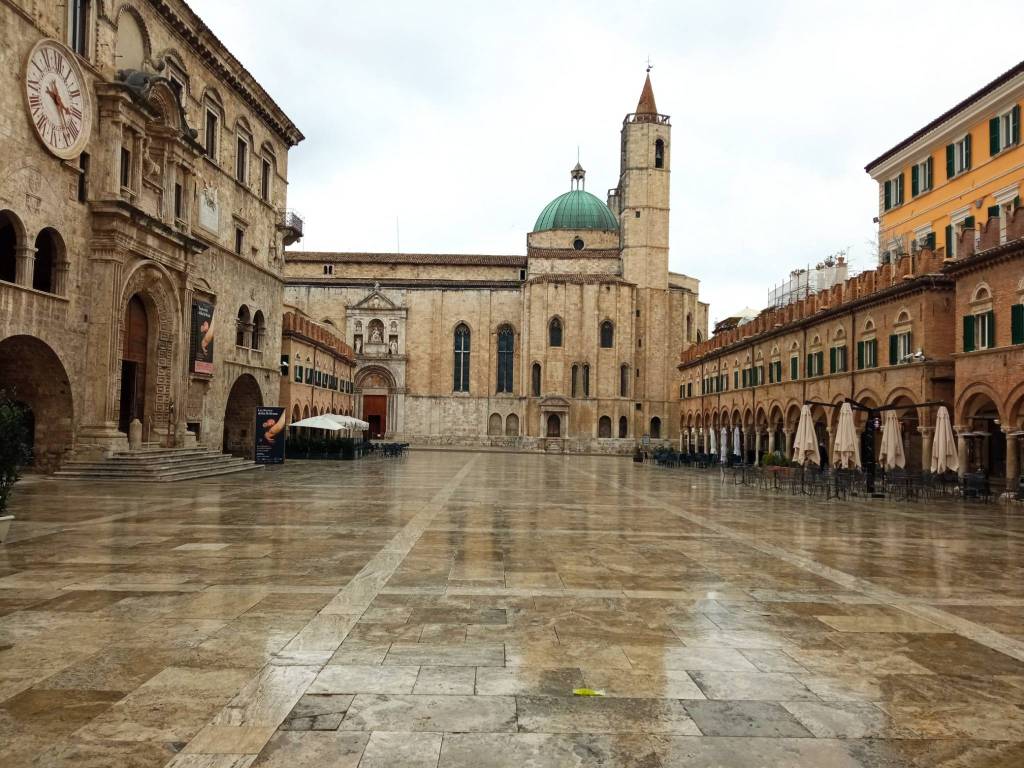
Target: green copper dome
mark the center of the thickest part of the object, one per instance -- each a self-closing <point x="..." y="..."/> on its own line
<point x="576" y="209"/>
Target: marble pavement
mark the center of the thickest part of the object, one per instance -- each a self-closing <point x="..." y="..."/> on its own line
<point x="439" y="610"/>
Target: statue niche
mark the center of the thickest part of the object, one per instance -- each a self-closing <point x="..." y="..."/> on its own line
<point x="376" y="332"/>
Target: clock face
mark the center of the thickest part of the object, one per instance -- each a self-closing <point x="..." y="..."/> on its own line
<point x="58" y="103"/>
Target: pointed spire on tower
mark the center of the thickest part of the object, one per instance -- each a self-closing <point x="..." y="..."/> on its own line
<point x="646" y="105"/>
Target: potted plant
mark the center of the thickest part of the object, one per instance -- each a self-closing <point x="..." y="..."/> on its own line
<point x="14" y="453"/>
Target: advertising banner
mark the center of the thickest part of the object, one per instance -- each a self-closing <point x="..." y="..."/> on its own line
<point x="270" y="434"/>
<point x="201" y="342"/>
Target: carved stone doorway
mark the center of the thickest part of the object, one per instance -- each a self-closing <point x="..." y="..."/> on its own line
<point x="554" y="425"/>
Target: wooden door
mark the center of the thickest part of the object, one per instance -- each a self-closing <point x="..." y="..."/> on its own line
<point x="375" y="411"/>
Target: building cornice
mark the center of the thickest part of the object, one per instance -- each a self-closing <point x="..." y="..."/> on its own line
<point x="949" y="122"/>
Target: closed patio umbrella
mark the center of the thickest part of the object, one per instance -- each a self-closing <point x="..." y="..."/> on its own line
<point x="805" y="445"/>
<point x="712" y="448"/>
<point x="723" y="445"/>
<point x="892" y="455"/>
<point x="944" y="455"/>
<point x="736" y="442"/>
<point x="846" y="453"/>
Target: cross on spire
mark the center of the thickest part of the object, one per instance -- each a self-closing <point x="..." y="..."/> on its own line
<point x="649" y="65"/>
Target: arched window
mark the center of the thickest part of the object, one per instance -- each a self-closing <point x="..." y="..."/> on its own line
<point x="623" y="426"/>
<point x="689" y="326"/>
<point x="624" y="380"/>
<point x="604" y="427"/>
<point x="259" y="329"/>
<point x="586" y="380"/>
<point x="494" y="425"/>
<point x="607" y="334"/>
<point x="461" y="373"/>
<point x="555" y="332"/>
<point x="9" y="236"/>
<point x="242" y="326"/>
<point x="655" y="427"/>
<point x="506" y="358"/>
<point x="535" y="379"/>
<point x="574" y="388"/>
<point x="659" y="154"/>
<point x="512" y="425"/>
<point x="46" y="262"/>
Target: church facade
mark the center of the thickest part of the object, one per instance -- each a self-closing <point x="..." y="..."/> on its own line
<point x="569" y="348"/>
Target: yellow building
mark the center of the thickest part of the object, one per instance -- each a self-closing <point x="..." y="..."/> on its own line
<point x="955" y="173"/>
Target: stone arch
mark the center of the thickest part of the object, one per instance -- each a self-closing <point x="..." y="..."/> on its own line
<point x="375" y="389"/>
<point x="512" y="425"/>
<point x="494" y="425"/>
<point x="12" y="240"/>
<point x="556" y="330"/>
<point x="51" y="263"/>
<point x="655" y="428"/>
<point x="1015" y="407"/>
<point x="981" y="292"/>
<point x="240" y="416"/>
<point x="604" y="427"/>
<point x="32" y="373"/>
<point x="155" y="289"/>
<point x="623" y="427"/>
<point x="980" y="414"/>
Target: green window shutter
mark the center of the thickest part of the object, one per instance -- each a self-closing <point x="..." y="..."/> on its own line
<point x="744" y="378"/>
<point x="991" y="328"/>
<point x="993" y="211"/>
<point x="950" y="161"/>
<point x="771" y="373"/>
<point x="735" y="379"/>
<point x="899" y="191"/>
<point x="893" y="349"/>
<point x="1017" y="324"/>
<point x="969" y="222"/>
<point x="967" y="152"/>
<point x="809" y="368"/>
<point x="993" y="136"/>
<point x="860" y="355"/>
<point x="1015" y="138"/>
<point x="931" y="178"/>
<point x="874" y="353"/>
<point x="794" y="368"/>
<point x="949" y="240"/>
<point x="832" y="360"/>
<point x="888" y="195"/>
<point x="930" y="241"/>
<point x="968" y="333"/>
<point x="914" y="187"/>
<point x="821" y="363"/>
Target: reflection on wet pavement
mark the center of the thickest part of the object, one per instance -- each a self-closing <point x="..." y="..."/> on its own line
<point x="440" y="610"/>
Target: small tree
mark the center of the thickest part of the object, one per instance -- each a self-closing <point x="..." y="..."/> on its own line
<point x="14" y="444"/>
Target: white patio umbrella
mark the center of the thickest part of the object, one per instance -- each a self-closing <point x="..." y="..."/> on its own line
<point x="712" y="448"/>
<point x="846" y="453"/>
<point x="944" y="455"/>
<point x="318" y="422"/>
<point x="892" y="455"/>
<point x="736" y="441"/>
<point x="805" y="445"/>
<point x="348" y="422"/>
<point x="722" y="447"/>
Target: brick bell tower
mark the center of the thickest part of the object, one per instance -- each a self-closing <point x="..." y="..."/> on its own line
<point x="643" y="192"/>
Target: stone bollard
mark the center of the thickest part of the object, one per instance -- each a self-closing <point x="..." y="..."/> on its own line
<point x="135" y="435"/>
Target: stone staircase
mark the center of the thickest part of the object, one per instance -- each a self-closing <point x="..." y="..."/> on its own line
<point x="156" y="465"/>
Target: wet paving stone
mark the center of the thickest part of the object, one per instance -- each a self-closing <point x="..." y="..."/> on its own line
<point x="445" y="609"/>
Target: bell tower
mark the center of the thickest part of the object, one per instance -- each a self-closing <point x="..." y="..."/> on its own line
<point x="643" y="192"/>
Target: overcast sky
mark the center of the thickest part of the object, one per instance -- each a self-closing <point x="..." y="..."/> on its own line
<point x="462" y="119"/>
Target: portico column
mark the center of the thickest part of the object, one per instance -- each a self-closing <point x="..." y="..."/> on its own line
<point x="926" y="447"/>
<point x="26" y="266"/>
<point x="757" y="447"/>
<point x="787" y="446"/>
<point x="1012" y="460"/>
<point x="961" y="450"/>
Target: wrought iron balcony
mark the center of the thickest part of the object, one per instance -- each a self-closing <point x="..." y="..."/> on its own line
<point x="291" y="224"/>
